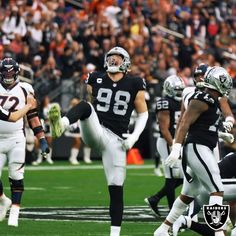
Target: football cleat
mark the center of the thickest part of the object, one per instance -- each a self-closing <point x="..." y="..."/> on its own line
<point x="73" y="161"/>
<point x="54" y="116"/>
<point x="158" y="172"/>
<point x="153" y="205"/>
<point x="87" y="160"/>
<point x="14" y="216"/>
<point x="160" y="232"/>
<point x="49" y="161"/>
<point x="182" y="222"/>
<point x="5" y="204"/>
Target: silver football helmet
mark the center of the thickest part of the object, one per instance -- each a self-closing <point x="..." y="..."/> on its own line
<point x="173" y="87"/>
<point x="218" y="78"/>
<point x="112" y="66"/>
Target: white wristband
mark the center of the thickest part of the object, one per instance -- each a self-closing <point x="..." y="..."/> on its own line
<point x="230" y="119"/>
<point x="177" y="147"/>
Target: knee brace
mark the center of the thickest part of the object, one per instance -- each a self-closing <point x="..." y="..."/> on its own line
<point x="16" y="185"/>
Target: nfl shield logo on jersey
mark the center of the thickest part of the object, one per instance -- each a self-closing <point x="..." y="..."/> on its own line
<point x="216" y="215"/>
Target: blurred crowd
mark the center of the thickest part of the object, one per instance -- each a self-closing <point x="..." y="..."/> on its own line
<point x="57" y="42"/>
<point x="60" y="39"/>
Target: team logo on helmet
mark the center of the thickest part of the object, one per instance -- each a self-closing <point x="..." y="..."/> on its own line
<point x="217" y="78"/>
<point x="216" y="215"/>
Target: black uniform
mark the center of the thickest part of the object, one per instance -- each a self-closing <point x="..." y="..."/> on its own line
<point x="198" y="153"/>
<point x="173" y="106"/>
<point x="114" y="101"/>
<point x="205" y="129"/>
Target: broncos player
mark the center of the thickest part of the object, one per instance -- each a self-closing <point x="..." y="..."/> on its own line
<point x="168" y="113"/>
<point x="200" y="124"/>
<point x="13" y="97"/>
<point x="14" y="116"/>
<point x="104" y="122"/>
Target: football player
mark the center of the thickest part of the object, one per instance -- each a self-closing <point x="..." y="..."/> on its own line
<point x="168" y="112"/>
<point x="228" y="123"/>
<point x="104" y="122"/>
<point x="227" y="168"/>
<point x="13" y="97"/>
<point x="200" y="124"/>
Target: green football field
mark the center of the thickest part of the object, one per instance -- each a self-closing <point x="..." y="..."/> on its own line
<point x="73" y="201"/>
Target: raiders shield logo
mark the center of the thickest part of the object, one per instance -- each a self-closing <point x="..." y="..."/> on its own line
<point x="215" y="215"/>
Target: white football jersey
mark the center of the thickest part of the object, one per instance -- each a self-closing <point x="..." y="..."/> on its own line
<point x="11" y="100"/>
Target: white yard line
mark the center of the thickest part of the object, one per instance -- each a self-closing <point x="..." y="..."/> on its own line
<point x="92" y="167"/>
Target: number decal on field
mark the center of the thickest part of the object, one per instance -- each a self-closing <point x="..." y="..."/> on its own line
<point x="121" y="98"/>
<point x="10" y="102"/>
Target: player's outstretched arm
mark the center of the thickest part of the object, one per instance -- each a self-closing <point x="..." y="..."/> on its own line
<point x="140" y="123"/>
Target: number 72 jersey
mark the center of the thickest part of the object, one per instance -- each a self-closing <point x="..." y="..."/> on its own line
<point x="11" y="100"/>
<point x="114" y="101"/>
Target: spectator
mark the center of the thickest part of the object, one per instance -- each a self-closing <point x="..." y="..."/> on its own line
<point x="14" y="24"/>
<point x="51" y="73"/>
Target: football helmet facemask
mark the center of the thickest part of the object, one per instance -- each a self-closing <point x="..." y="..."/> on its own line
<point x="198" y="75"/>
<point x="113" y="65"/>
<point x="9" y="70"/>
<point x="173" y="87"/>
<point x="217" y="78"/>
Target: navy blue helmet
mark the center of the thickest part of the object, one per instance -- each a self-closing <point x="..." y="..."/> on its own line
<point x="9" y="70"/>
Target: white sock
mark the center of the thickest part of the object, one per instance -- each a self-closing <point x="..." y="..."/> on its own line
<point x="165" y="227"/>
<point x="219" y="233"/>
<point x="87" y="151"/>
<point x="65" y="121"/>
<point x="177" y="209"/>
<point x="74" y="153"/>
<point x="39" y="156"/>
<point x="49" y="156"/>
<point x="215" y="200"/>
<point x="115" y="231"/>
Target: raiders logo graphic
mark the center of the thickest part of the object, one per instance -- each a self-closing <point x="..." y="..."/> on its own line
<point x="216" y="215"/>
<point x="222" y="78"/>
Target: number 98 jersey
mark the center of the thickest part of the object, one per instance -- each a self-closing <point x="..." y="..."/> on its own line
<point x="114" y="101"/>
